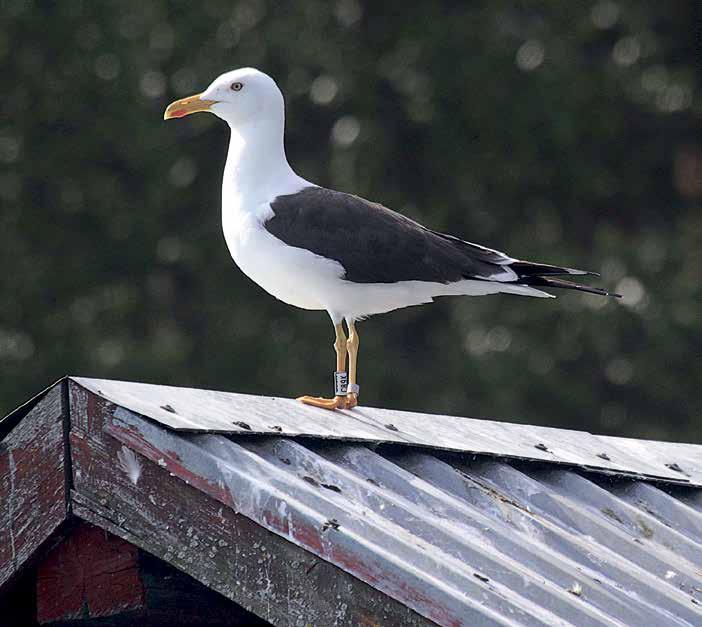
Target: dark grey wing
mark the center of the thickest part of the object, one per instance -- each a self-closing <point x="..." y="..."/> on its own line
<point x="375" y="244"/>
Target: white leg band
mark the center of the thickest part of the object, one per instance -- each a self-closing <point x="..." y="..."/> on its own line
<point x="353" y="388"/>
<point x="341" y="382"/>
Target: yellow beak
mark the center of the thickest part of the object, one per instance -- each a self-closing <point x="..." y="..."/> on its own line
<point x="186" y="106"/>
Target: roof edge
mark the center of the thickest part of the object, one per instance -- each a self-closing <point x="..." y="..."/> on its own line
<point x="193" y="410"/>
<point x="9" y="421"/>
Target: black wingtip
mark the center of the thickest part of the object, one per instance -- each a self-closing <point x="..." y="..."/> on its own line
<point x="604" y="292"/>
<point x="530" y="268"/>
<point x="576" y="272"/>
<point x="542" y="281"/>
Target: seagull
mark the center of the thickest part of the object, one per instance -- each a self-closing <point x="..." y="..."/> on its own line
<point x="321" y="249"/>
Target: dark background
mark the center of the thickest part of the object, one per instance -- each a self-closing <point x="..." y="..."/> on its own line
<point x="563" y="132"/>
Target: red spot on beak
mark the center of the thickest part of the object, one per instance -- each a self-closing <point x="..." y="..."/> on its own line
<point x="179" y="113"/>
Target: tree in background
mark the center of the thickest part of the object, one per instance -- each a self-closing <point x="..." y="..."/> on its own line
<point x="562" y="132"/>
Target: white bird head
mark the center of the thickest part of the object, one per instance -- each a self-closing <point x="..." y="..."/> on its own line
<point x="238" y="97"/>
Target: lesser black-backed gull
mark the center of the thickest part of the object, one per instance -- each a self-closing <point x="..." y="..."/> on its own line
<point x="320" y="249"/>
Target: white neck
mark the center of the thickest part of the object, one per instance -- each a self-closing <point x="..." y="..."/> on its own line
<point x="257" y="168"/>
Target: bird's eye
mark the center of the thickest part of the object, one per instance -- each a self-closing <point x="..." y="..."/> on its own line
<point x="237" y="86"/>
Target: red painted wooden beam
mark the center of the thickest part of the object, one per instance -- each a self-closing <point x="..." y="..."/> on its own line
<point x="90" y="574"/>
<point x="33" y="494"/>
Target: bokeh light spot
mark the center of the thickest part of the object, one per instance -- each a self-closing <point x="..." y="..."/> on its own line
<point x="654" y="78"/>
<point x="626" y="51"/>
<point x="107" y="66"/>
<point x="110" y="352"/>
<point x="619" y="371"/>
<point x="183" y="81"/>
<point x="10" y="146"/>
<point x="632" y="291"/>
<point x="323" y="89"/>
<point x="348" y="12"/>
<point x="15" y="345"/>
<point x="674" y="98"/>
<point x="183" y="172"/>
<point x="228" y="35"/>
<point x="346" y="131"/>
<point x="604" y="15"/>
<point x="530" y="55"/>
<point x="153" y="84"/>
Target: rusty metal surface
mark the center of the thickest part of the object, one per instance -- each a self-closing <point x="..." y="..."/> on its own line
<point x="193" y="410"/>
<point x="460" y="539"/>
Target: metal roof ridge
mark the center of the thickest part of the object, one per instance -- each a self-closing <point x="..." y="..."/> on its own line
<point x="208" y="411"/>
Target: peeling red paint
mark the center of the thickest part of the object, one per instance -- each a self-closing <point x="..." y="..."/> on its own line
<point x="394" y="587"/>
<point x="91" y="573"/>
<point x="309" y="538"/>
<point x="132" y="438"/>
<point x="32" y="485"/>
<point x="173" y="455"/>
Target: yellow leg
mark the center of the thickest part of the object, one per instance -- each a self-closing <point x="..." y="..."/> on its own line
<point x="352" y="347"/>
<point x="339" y="401"/>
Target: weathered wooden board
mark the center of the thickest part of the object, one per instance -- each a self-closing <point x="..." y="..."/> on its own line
<point x="155" y="510"/>
<point x="90" y="574"/>
<point x="32" y="482"/>
<point x="8" y="422"/>
<point x="173" y="598"/>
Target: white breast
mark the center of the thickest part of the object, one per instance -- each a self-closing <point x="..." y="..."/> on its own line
<point x="294" y="275"/>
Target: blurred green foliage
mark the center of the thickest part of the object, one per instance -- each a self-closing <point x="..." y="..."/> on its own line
<point x="560" y="132"/>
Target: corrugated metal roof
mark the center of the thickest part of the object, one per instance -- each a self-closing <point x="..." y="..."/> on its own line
<point x="461" y="539"/>
<point x="186" y="409"/>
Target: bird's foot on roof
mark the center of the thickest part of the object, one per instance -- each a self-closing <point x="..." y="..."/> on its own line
<point x="351" y="400"/>
<point x="338" y="402"/>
